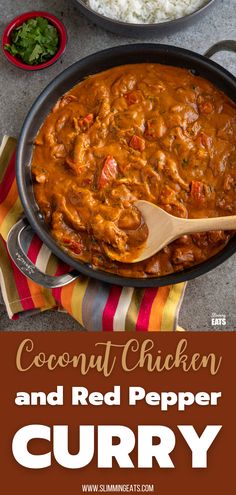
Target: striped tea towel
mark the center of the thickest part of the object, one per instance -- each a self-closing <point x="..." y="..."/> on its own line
<point x="95" y="305"/>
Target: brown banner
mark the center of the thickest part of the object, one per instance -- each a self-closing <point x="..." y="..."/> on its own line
<point x="168" y="382"/>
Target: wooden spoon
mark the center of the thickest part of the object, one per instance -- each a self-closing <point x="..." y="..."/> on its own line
<point x="164" y="228"/>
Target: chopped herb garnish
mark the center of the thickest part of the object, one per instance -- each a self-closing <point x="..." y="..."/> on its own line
<point x="34" y="42"/>
<point x="184" y="162"/>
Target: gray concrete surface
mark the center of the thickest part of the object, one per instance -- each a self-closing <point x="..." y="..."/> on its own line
<point x="211" y="293"/>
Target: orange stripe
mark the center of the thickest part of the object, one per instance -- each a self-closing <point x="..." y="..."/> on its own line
<point x="9" y="202"/>
<point x="157" y="309"/>
<point x="66" y="296"/>
<point x="36" y="294"/>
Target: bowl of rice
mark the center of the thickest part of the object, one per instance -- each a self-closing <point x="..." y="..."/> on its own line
<point x="143" y="17"/>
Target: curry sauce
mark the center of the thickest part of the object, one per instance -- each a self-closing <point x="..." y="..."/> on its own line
<point x="141" y="131"/>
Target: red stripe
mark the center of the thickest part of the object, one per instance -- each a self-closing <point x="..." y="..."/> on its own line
<point x="145" y="310"/>
<point x="8" y="178"/>
<point x="34" y="248"/>
<point x="110" y="308"/>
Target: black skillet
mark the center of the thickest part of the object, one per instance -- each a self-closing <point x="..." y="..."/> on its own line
<point x="95" y="63"/>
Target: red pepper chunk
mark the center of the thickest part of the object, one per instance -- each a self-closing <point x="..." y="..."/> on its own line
<point x="137" y="143"/>
<point x="86" y="121"/>
<point x="75" y="246"/>
<point x="133" y="97"/>
<point x="197" y="190"/>
<point x="109" y="171"/>
<point x="206" y="107"/>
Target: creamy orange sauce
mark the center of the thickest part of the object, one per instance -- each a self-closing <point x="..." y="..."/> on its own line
<point x="142" y="131"/>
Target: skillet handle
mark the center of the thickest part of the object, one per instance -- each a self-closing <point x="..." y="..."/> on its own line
<point x="21" y="260"/>
<point x="226" y="45"/>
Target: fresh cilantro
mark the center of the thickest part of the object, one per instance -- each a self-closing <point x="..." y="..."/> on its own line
<point x="34" y="42"/>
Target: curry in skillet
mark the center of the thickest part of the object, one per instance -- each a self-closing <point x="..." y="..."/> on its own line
<point x="143" y="131"/>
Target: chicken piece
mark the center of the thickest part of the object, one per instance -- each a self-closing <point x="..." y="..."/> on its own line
<point x="159" y="160"/>
<point x="77" y="162"/>
<point x="58" y="224"/>
<point x="109" y="212"/>
<point x="50" y="135"/>
<point x="183" y="255"/>
<point x="184" y="240"/>
<point x="205" y="104"/>
<point x="229" y="182"/>
<point x="134" y="97"/>
<point x="70" y="214"/>
<point x="155" y="128"/>
<point x="152" y="178"/>
<point x="58" y="151"/>
<point x="169" y="202"/>
<point x="61" y="122"/>
<point x="130" y="219"/>
<point x="159" y="264"/>
<point x="81" y="145"/>
<point x="123" y="84"/>
<point x="167" y="194"/>
<point x="151" y="86"/>
<point x="105" y="108"/>
<point x="108" y="232"/>
<point x="80" y="197"/>
<point x="193" y="130"/>
<point x="174" y="207"/>
<point x="97" y="91"/>
<point x="129" y="120"/>
<point x="136" y="163"/>
<point x="41" y="178"/>
<point x="123" y="194"/>
<point x="217" y="237"/>
<point x="171" y="170"/>
<point x="40" y="174"/>
<point x="200" y="239"/>
<point x="64" y="100"/>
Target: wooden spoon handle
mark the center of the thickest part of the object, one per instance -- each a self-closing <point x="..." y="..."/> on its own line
<point x="206" y="224"/>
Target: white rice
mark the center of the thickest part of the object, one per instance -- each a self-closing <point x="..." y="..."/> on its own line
<point x="145" y="11"/>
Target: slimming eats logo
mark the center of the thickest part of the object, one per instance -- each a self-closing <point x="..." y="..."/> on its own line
<point x="118" y="488"/>
<point x="218" y="320"/>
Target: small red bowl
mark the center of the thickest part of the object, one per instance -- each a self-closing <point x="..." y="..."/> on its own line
<point x="6" y="39"/>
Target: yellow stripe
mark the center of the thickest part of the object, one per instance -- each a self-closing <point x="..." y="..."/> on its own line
<point x="52" y="265"/>
<point x="51" y="268"/>
<point x="77" y="298"/>
<point x="169" y="312"/>
<point x="48" y="298"/>
<point x="66" y="296"/>
<point x="133" y="311"/>
<point x="11" y="218"/>
<point x="6" y="151"/>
